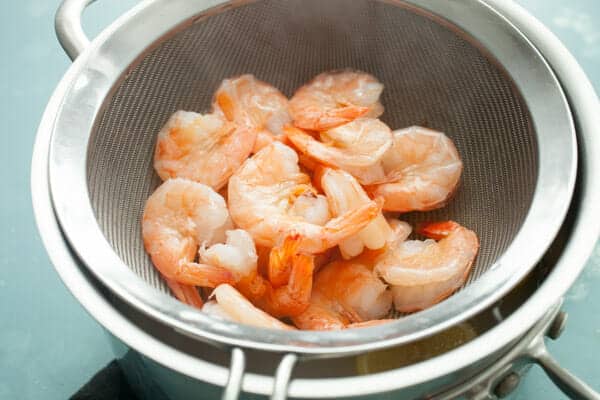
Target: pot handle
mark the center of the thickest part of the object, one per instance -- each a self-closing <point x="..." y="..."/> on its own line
<point x="69" y="31"/>
<point x="237" y="367"/>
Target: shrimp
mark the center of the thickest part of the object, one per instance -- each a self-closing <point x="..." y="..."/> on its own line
<point x="344" y="293"/>
<point x="202" y="148"/>
<point x="335" y="98"/>
<point x="289" y="291"/>
<point x="237" y="308"/>
<point x="423" y="273"/>
<point x="262" y="196"/>
<point x="238" y="255"/>
<point x="344" y="194"/>
<point x="422" y="169"/>
<point x="179" y="216"/>
<point x="356" y="147"/>
<point x="256" y="104"/>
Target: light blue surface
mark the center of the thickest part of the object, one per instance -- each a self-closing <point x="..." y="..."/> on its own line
<point x="49" y="346"/>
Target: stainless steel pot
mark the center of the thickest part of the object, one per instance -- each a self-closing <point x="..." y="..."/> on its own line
<point x="469" y="357"/>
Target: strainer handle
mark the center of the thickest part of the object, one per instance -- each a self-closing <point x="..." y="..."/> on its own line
<point x="237" y="367"/>
<point x="69" y="31"/>
<point x="570" y="385"/>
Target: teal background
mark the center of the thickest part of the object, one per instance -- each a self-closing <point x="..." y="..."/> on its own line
<point x="49" y="346"/>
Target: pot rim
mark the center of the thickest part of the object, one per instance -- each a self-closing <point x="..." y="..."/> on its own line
<point x="583" y="237"/>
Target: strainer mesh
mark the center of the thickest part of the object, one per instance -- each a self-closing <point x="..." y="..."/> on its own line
<point x="432" y="75"/>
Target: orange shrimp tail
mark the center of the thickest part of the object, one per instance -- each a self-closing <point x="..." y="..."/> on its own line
<point x="226" y="105"/>
<point x="349" y="223"/>
<point x="202" y="275"/>
<point x="185" y="293"/>
<point x="343" y="115"/>
<point x="281" y="259"/>
<point x="317" y="120"/>
<point x="437" y="230"/>
<point x="294" y="298"/>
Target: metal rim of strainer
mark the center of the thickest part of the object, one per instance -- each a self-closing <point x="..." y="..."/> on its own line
<point x="111" y="55"/>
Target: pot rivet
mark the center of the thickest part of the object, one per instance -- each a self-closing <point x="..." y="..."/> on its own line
<point x="507" y="385"/>
<point x="558" y="325"/>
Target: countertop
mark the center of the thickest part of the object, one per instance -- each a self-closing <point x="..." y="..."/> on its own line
<point x="49" y="346"/>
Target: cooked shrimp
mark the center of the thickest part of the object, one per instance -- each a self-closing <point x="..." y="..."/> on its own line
<point x="344" y="194"/>
<point x="239" y="309"/>
<point x="237" y="255"/>
<point x="289" y="290"/>
<point x="422" y="273"/>
<point x="262" y="197"/>
<point x="256" y="104"/>
<point x="178" y="217"/>
<point x="344" y="292"/>
<point x="202" y="148"/>
<point x="335" y="98"/>
<point x="422" y="171"/>
<point x="356" y="146"/>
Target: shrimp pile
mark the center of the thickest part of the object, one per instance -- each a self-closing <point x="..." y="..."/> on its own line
<point x="284" y="213"/>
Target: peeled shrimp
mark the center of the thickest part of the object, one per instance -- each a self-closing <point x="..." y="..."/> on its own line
<point x="237" y="255"/>
<point x="178" y="217"/>
<point x="287" y="294"/>
<point x="422" y="273"/>
<point x="262" y="196"/>
<point x="256" y="104"/>
<point x="202" y="148"/>
<point x="237" y="308"/>
<point x="344" y="194"/>
<point x="344" y="293"/>
<point x="356" y="147"/>
<point x="335" y="98"/>
<point x="422" y="171"/>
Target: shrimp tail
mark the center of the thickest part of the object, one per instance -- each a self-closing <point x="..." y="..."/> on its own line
<point x="226" y="105"/>
<point x="339" y="116"/>
<point x="349" y="223"/>
<point x="280" y="268"/>
<point x="293" y="298"/>
<point x="190" y="273"/>
<point x="185" y="293"/>
<point x="322" y="121"/>
<point x="437" y="230"/>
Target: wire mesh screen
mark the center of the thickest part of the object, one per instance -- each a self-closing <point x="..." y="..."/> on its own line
<point x="433" y="77"/>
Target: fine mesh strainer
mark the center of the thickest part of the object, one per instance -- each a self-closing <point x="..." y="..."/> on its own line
<point x="458" y="67"/>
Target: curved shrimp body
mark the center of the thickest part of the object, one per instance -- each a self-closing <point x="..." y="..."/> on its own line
<point x="234" y="306"/>
<point x="253" y="103"/>
<point x="335" y="98"/>
<point x="262" y="196"/>
<point x="422" y="170"/>
<point x="422" y="273"/>
<point x="356" y="147"/>
<point x="202" y="148"/>
<point x="345" y="292"/>
<point x="179" y="216"/>
<point x="344" y="194"/>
